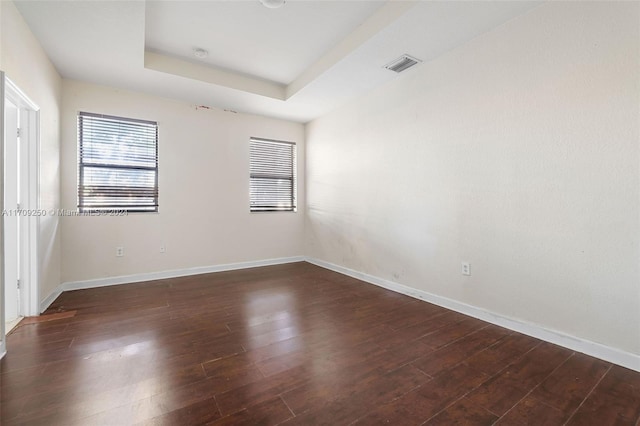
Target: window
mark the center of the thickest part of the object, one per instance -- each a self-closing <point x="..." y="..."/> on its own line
<point x="272" y="170"/>
<point x="117" y="164"/>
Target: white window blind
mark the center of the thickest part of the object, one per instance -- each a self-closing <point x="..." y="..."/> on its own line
<point x="272" y="175"/>
<point x="118" y="164"/>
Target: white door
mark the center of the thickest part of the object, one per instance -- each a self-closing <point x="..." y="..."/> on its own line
<point x="11" y="214"/>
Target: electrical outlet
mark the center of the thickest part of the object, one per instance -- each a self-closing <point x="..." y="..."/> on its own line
<point x="466" y="268"/>
<point x="163" y="249"/>
<point x="119" y="251"/>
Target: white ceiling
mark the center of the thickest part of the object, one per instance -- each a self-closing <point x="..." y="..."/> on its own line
<point x="275" y="45"/>
<point x="297" y="62"/>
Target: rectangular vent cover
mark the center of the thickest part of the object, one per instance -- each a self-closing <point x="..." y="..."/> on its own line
<point x="402" y="63"/>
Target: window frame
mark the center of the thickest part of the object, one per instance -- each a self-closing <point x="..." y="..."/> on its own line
<point x="293" y="177"/>
<point x="120" y="208"/>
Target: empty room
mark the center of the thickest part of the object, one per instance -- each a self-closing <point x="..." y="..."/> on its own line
<point x="316" y="212"/>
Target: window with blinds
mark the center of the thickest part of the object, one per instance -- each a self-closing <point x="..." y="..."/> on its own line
<point x="272" y="183"/>
<point x="118" y="164"/>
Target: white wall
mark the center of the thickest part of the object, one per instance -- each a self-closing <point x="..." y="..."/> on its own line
<point x="518" y="152"/>
<point x="203" y="217"/>
<point x="25" y="63"/>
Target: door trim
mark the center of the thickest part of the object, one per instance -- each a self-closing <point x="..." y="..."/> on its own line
<point x="3" y="340"/>
<point x="30" y="197"/>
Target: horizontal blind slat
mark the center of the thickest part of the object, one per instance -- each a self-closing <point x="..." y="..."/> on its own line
<point x="272" y="175"/>
<point x="118" y="162"/>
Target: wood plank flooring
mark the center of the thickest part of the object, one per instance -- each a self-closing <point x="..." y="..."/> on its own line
<point x="293" y="345"/>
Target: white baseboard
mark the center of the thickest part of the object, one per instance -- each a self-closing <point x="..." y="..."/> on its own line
<point x="44" y="305"/>
<point x="3" y="348"/>
<point x="174" y="273"/>
<point x="578" y="344"/>
<point x="597" y="350"/>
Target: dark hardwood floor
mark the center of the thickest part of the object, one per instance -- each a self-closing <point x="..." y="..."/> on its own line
<point x="292" y="344"/>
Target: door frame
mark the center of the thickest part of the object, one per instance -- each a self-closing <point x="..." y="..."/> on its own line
<point x="30" y="201"/>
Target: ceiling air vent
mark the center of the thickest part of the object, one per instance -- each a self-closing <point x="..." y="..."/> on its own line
<point x="402" y="63"/>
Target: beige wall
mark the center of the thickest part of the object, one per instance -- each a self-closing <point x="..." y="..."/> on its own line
<point x="26" y="64"/>
<point x="204" y="217"/>
<point x="519" y="153"/>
